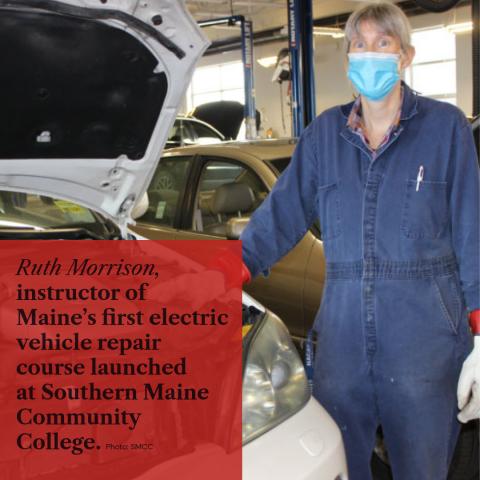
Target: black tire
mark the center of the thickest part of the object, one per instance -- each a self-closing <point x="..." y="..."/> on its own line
<point x="379" y="463"/>
<point x="437" y="5"/>
<point x="465" y="463"/>
<point x="380" y="470"/>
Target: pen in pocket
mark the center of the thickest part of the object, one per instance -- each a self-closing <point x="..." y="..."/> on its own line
<point x="420" y="176"/>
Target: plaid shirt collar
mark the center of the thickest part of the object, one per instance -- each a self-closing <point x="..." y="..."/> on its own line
<point x="355" y="122"/>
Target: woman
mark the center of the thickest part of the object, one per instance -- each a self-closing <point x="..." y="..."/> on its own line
<point x="393" y="178"/>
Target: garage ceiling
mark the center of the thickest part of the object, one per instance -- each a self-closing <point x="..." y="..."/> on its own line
<point x="265" y="14"/>
<point x="202" y="9"/>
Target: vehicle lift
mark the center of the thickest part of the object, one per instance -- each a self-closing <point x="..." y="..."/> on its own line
<point x="247" y="59"/>
<point x="301" y="46"/>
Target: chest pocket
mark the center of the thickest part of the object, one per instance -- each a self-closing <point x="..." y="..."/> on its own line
<point x="330" y="211"/>
<point x="425" y="211"/>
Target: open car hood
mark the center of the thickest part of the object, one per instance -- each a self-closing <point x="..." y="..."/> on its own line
<point x="89" y="90"/>
<point x="226" y="116"/>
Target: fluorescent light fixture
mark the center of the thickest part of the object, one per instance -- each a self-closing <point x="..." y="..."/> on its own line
<point x="267" y="62"/>
<point x="460" y="27"/>
<point x="334" y="32"/>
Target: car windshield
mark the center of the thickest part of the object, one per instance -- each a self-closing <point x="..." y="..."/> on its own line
<point x="37" y="212"/>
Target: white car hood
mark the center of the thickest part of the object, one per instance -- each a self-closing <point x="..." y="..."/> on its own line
<point x="89" y="91"/>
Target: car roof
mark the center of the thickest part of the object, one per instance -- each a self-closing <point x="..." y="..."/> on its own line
<point x="264" y="150"/>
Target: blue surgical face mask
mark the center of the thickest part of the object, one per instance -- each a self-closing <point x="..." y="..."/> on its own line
<point x="373" y="74"/>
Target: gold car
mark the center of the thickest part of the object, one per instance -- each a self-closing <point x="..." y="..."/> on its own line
<point x="209" y="191"/>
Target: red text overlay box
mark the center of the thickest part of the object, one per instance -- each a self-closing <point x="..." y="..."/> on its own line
<point x="120" y="359"/>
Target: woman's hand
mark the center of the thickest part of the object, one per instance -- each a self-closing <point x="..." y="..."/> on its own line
<point x="468" y="391"/>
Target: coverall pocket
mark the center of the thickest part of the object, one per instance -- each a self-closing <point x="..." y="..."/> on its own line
<point x="450" y="300"/>
<point x="329" y="211"/>
<point x="425" y="210"/>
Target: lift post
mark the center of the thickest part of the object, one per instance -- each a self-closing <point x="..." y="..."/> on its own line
<point x="300" y="28"/>
<point x="247" y="57"/>
<point x="476" y="57"/>
<point x="248" y="64"/>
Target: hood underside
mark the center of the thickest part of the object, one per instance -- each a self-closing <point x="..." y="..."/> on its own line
<point x="101" y="74"/>
<point x="88" y="95"/>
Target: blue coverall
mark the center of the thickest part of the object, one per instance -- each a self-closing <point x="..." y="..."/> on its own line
<point x="403" y="267"/>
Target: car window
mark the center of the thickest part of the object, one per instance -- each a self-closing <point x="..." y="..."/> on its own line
<point x="279" y="164"/>
<point x="24" y="210"/>
<point x="204" y="135"/>
<point x="166" y="189"/>
<point x="218" y="173"/>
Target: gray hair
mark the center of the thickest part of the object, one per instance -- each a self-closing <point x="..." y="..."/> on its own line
<point x="390" y="18"/>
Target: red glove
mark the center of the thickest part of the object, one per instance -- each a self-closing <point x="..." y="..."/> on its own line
<point x="247" y="277"/>
<point x="474" y="320"/>
<point x="224" y="263"/>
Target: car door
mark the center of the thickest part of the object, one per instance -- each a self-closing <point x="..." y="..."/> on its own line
<point x="166" y="198"/>
<point x="282" y="291"/>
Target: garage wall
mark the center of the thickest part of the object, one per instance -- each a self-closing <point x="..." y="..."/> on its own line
<point x="332" y="86"/>
<point x="464" y="52"/>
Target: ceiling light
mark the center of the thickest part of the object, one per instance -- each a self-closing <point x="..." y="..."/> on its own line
<point x="267" y="62"/>
<point x="460" y="27"/>
<point x="330" y="31"/>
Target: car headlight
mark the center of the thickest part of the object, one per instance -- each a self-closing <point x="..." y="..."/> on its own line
<point x="274" y="382"/>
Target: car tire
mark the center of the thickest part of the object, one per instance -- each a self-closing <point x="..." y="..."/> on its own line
<point x="465" y="463"/>
<point x="380" y="469"/>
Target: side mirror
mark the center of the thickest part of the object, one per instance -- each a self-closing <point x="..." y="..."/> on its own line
<point x="235" y="226"/>
<point x="140" y="207"/>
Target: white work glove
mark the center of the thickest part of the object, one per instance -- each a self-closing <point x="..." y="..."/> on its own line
<point x="468" y="391"/>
